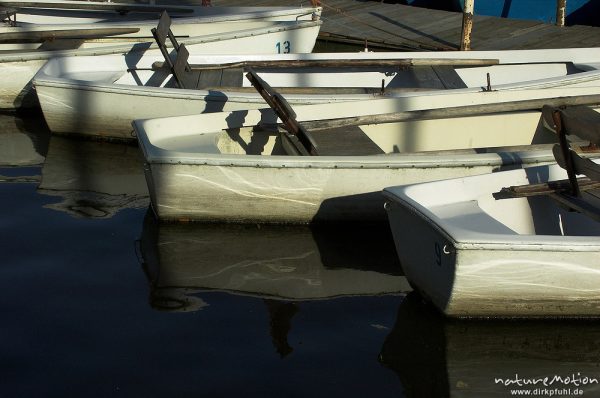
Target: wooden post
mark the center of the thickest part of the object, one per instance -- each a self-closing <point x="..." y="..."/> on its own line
<point x="467" y="26"/>
<point x="561" y="9"/>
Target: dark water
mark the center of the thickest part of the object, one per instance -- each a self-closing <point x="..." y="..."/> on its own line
<point x="98" y="299"/>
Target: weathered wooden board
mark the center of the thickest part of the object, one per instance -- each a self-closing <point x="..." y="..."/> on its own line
<point x="396" y="26"/>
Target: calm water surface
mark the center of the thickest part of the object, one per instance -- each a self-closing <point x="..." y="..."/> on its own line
<point x="98" y="299"/>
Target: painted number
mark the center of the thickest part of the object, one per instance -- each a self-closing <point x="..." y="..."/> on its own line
<point x="283" y="48"/>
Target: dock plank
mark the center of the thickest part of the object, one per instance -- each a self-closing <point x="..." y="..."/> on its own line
<point x="401" y="27"/>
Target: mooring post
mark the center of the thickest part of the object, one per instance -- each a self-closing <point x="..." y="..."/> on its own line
<point x="467" y="26"/>
<point x="561" y="9"/>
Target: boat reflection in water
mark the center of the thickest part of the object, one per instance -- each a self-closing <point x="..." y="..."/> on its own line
<point x="283" y="265"/>
<point x="23" y="141"/>
<point x="94" y="179"/>
<point x="293" y="263"/>
<point x="438" y="357"/>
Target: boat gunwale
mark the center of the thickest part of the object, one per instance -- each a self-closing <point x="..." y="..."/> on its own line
<point x="180" y="20"/>
<point x="43" y="78"/>
<point x="128" y="48"/>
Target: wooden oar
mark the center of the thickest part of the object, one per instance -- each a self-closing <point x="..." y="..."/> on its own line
<point x="542" y="189"/>
<point x="298" y="136"/>
<point x="458" y="111"/>
<point x="44" y="35"/>
<point x="98" y="6"/>
<point x="349" y="63"/>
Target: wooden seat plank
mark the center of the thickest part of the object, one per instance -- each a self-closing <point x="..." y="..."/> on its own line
<point x="232" y="77"/>
<point x="345" y="141"/>
<point x="426" y="77"/>
<point x="208" y="78"/>
<point x="449" y="77"/>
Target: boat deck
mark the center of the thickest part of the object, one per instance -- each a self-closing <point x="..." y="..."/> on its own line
<point x="401" y="27"/>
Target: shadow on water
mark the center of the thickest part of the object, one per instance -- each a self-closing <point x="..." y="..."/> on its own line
<point x="587" y="14"/>
<point x="438" y="357"/>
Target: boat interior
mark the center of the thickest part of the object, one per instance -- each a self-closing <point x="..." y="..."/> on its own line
<point x="340" y="77"/>
<point x="344" y="77"/>
<point x="531" y="201"/>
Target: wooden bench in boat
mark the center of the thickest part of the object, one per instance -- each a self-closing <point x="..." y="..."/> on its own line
<point x="577" y="194"/>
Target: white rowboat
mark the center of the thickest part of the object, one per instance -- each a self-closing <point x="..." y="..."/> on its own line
<point x="18" y="68"/>
<point x="520" y="243"/>
<point x="482" y="257"/>
<point x="230" y="166"/>
<point x="87" y="95"/>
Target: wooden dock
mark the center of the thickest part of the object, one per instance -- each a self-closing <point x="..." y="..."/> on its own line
<point x="400" y="27"/>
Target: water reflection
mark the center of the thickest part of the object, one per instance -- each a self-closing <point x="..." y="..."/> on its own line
<point x="438" y="357"/>
<point x="23" y="141"/>
<point x="276" y="262"/>
<point x="93" y="179"/>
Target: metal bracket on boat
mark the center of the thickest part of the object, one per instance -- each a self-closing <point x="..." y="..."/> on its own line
<point x="489" y="83"/>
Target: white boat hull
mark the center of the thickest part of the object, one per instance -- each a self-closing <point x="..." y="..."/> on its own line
<point x="481" y="257"/>
<point x="85" y="12"/>
<point x="76" y="102"/>
<point x="19" y="69"/>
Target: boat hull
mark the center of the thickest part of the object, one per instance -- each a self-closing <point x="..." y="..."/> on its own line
<point x="479" y="267"/>
<point x="20" y="68"/>
<point x="220" y="167"/>
<point x="76" y="101"/>
<point x="281" y="193"/>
